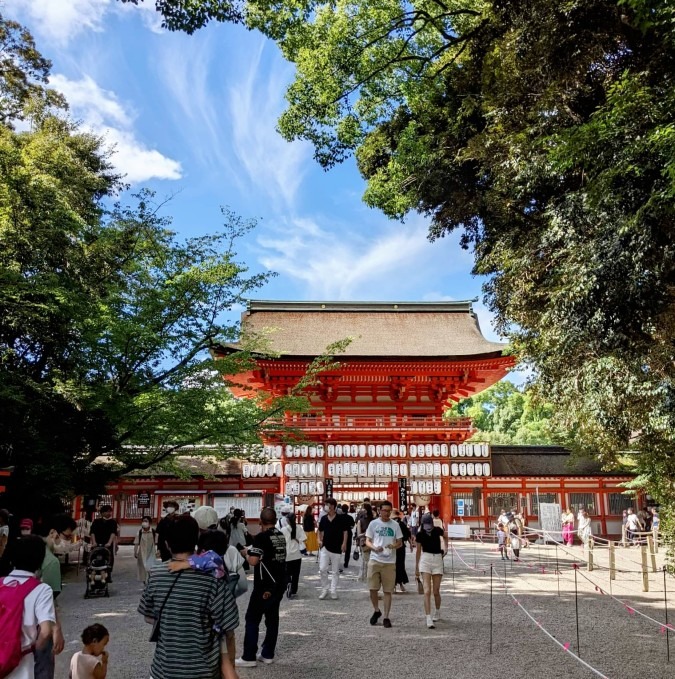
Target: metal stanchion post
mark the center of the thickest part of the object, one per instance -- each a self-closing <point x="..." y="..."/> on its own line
<point x="576" y="608"/>
<point x="491" y="573"/>
<point x="452" y="559"/>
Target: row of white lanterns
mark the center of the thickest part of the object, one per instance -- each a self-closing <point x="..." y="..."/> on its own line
<point x="386" y="469"/>
<point x="351" y="496"/>
<point x="425" y="487"/>
<point x="384" y="450"/>
<point x="304" y="488"/>
<point x="249" y="470"/>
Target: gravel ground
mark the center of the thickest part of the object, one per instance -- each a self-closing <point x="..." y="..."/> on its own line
<point x="332" y="639"/>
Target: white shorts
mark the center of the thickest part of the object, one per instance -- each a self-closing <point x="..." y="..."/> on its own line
<point x="431" y="563"/>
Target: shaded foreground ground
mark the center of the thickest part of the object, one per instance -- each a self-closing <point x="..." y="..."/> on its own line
<point x="331" y="639"/>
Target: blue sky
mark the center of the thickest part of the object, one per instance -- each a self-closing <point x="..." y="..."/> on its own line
<point x="195" y="117"/>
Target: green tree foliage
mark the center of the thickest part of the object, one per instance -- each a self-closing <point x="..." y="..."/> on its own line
<point x="107" y="320"/>
<point x="505" y="414"/>
<point x="545" y="132"/>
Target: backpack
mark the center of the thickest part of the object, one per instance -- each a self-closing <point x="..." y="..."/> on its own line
<point x="12" y="597"/>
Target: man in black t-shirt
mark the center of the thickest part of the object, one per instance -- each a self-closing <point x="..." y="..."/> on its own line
<point x="103" y="533"/>
<point x="349" y="522"/>
<point x="267" y="555"/>
<point x="332" y="545"/>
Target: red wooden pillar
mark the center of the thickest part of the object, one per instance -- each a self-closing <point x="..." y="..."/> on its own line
<point x="446" y="501"/>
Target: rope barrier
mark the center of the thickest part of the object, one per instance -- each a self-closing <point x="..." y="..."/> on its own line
<point x="565" y="646"/>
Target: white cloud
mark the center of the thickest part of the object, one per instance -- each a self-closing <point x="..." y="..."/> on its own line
<point x="337" y="263"/>
<point x="59" y="21"/>
<point x="232" y="110"/>
<point x="255" y="103"/>
<point x="101" y="111"/>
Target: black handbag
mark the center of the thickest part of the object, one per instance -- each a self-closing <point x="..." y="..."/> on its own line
<point x="154" y="635"/>
<point x="355" y="555"/>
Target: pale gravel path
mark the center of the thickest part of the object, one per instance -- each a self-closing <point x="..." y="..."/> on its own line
<point x="332" y="639"/>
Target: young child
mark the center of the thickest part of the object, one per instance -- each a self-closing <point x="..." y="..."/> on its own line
<point x="515" y="543"/>
<point x="92" y="661"/>
<point x="501" y="541"/>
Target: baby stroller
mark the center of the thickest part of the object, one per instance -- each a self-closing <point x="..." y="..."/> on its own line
<point x="99" y="571"/>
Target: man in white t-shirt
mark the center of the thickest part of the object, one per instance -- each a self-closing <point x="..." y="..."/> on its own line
<point x="39" y="616"/>
<point x="383" y="537"/>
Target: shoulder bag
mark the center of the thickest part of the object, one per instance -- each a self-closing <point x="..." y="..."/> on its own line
<point x="154" y="635"/>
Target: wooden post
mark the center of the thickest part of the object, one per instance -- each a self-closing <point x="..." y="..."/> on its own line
<point x="612" y="562"/>
<point x="655" y="533"/>
<point x="645" y="572"/>
<point x="590" y="553"/>
<point x="650" y="544"/>
<point x="624" y="542"/>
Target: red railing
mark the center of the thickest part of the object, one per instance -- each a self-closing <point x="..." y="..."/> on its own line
<point x="377" y="422"/>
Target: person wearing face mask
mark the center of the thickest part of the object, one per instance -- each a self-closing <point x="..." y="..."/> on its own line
<point x="104" y="533"/>
<point x="429" y="564"/>
<point x="145" y="546"/>
<point x="170" y="507"/>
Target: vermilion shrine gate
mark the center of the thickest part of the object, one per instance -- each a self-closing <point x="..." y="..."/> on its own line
<point x="376" y="426"/>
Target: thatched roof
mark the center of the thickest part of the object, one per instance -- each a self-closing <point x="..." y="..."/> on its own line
<point x="541" y="461"/>
<point x="384" y="329"/>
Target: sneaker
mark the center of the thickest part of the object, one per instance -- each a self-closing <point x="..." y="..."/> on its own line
<point x="323" y="594"/>
<point x="289" y="594"/>
<point x="430" y="623"/>
<point x="333" y="595"/>
<point x="264" y="660"/>
<point x="375" y="617"/>
<point x="437" y="616"/>
<point x="386" y="623"/>
<point x="340" y="570"/>
<point x="240" y="662"/>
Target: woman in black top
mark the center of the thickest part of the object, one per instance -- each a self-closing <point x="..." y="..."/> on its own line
<point x="429" y="564"/>
<point x="401" y="575"/>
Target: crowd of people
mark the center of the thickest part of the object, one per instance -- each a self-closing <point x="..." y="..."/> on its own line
<point x="194" y="566"/>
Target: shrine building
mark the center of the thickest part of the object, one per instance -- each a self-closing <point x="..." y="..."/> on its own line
<point x="376" y="427"/>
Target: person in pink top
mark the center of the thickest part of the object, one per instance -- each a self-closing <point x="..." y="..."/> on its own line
<point x="92" y="661"/>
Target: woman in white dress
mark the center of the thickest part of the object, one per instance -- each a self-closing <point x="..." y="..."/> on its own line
<point x="145" y="548"/>
<point x="584" y="527"/>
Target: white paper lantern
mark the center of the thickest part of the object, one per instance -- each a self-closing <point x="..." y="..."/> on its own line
<point x="454" y="450"/>
<point x="486" y="469"/>
<point x="469" y="449"/>
<point x="462" y="469"/>
<point x="402" y="450"/>
<point x="387" y="450"/>
<point x="338" y="450"/>
<point x="387" y="469"/>
<point x="430" y="487"/>
<point x="413" y="487"/>
<point x="413" y="469"/>
<point x="303" y="469"/>
<point x="246" y="471"/>
<point x="254" y="470"/>
<point x="304" y="488"/>
<point x="312" y="469"/>
<point x="288" y="469"/>
<point x="277" y="469"/>
<point x="363" y="469"/>
<point x="429" y="450"/>
<point x="331" y="451"/>
<point x="445" y="469"/>
<point x="379" y="451"/>
<point x="413" y="450"/>
<point x="437" y="487"/>
<point x="319" y="468"/>
<point x="355" y="468"/>
<point x="338" y="469"/>
<point x="331" y="469"/>
<point x="403" y="469"/>
<point x="394" y="449"/>
<point x="371" y="451"/>
<point x="319" y="487"/>
<point x="362" y="450"/>
<point x="454" y="469"/>
<point x="470" y="469"/>
<point x="437" y="468"/>
<point x="437" y="449"/>
<point x="478" y="469"/>
<point x="312" y="487"/>
<point x="444" y="449"/>
<point x="380" y="469"/>
<point x="312" y="451"/>
<point x="319" y="451"/>
<point x="396" y="469"/>
<point x="296" y="469"/>
<point x="486" y="450"/>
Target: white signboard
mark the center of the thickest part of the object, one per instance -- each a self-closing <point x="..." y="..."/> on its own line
<point x="550" y="520"/>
